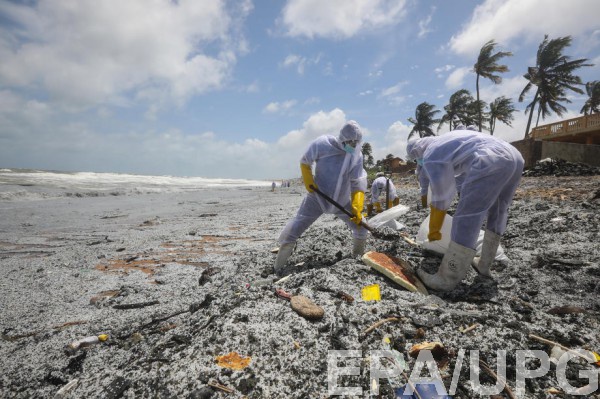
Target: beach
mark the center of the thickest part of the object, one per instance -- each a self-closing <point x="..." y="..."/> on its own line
<point x="178" y="278"/>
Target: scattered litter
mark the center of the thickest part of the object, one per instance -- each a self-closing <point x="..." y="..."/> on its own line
<point x="560" y="310"/>
<point x="282" y="294"/>
<point x="233" y="361"/>
<point x="436" y="348"/>
<point x="283" y="279"/>
<point x="306" y="308"/>
<point x="557" y="219"/>
<point x="485" y="367"/>
<point x="422" y="390"/>
<point x="381" y="322"/>
<point x="297" y="345"/>
<point x="467" y="329"/>
<point x="220" y="387"/>
<point x="346" y="297"/>
<point x="371" y="293"/>
<point x="127" y="306"/>
<point x="64" y="391"/>
<point x="85" y="342"/>
<point x="260" y="283"/>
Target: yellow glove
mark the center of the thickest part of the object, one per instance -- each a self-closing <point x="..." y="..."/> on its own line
<point x="358" y="201"/>
<point x="424" y="201"/>
<point x="307" y="177"/>
<point x="436" y="220"/>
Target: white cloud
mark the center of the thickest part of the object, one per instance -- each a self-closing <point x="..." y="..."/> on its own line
<point x="424" y="24"/>
<point x="301" y="63"/>
<point x="457" y="77"/>
<point x="392" y="93"/>
<point x="339" y="19"/>
<point x="509" y="20"/>
<point x="441" y="70"/>
<point x="317" y="124"/>
<point x="275" y="107"/>
<point x="48" y="142"/>
<point x="115" y="53"/>
<point x="393" y="141"/>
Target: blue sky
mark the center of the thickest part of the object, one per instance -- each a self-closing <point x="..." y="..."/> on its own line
<point x="237" y="89"/>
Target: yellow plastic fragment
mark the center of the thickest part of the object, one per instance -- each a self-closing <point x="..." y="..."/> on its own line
<point x="371" y="293"/>
<point x="597" y="356"/>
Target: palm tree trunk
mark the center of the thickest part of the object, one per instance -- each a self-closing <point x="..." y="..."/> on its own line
<point x="531" y="113"/>
<point x="537" y="122"/>
<point x="478" y="106"/>
<point x="492" y="126"/>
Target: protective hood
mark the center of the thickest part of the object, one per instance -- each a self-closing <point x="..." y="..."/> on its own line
<point x="350" y="131"/>
<point x="416" y="147"/>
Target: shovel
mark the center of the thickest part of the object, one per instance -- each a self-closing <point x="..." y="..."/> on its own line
<point x="341" y="208"/>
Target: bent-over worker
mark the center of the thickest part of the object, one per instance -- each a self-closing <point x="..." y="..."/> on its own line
<point x="492" y="171"/>
<point x="339" y="173"/>
<point x="382" y="187"/>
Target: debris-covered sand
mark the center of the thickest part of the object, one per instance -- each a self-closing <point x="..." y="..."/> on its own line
<point x="197" y="265"/>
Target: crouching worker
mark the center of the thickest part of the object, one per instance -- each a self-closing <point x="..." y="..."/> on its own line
<point x="339" y="174"/>
<point x="382" y="187"/>
<point x="492" y="171"/>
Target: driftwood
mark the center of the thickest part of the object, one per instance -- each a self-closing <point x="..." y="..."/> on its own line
<point x="219" y="386"/>
<point x="589" y="356"/>
<point x="126" y="306"/>
<point x="381" y="322"/>
<point x="484" y="366"/>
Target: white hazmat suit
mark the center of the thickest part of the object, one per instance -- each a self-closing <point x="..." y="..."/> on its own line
<point x="492" y="171"/>
<point x="378" y="189"/>
<point x="338" y="173"/>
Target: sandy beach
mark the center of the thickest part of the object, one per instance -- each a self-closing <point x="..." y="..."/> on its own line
<point x="178" y="279"/>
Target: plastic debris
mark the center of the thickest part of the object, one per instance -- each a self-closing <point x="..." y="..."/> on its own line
<point x="434" y="390"/>
<point x="233" y="361"/>
<point x="64" y="391"/>
<point x="371" y="293"/>
<point x="86" y="342"/>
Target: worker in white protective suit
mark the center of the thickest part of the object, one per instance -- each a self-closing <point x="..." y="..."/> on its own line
<point x="492" y="171"/>
<point x="382" y="188"/>
<point x="339" y="173"/>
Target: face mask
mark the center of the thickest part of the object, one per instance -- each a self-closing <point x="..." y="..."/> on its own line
<point x="420" y="161"/>
<point x="348" y="148"/>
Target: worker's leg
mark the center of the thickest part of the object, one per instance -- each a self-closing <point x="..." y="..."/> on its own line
<point x="309" y="211"/>
<point x="496" y="221"/>
<point x="359" y="235"/>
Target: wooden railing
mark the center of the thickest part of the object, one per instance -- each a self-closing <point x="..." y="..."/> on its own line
<point x="573" y="126"/>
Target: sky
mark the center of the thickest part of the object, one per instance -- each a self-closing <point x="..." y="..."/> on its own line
<point x="238" y="89"/>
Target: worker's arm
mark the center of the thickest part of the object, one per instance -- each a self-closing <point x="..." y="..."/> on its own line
<point x="307" y="177"/>
<point x="358" y="201"/>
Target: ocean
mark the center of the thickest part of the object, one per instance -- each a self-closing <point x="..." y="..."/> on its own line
<point x="30" y="184"/>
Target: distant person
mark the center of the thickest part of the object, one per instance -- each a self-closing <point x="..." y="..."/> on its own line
<point x="382" y="188"/>
<point x="339" y="173"/>
<point x="273" y="186"/>
<point x="492" y="171"/>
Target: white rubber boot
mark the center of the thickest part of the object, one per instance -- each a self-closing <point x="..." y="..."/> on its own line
<point x="452" y="269"/>
<point x="358" y="246"/>
<point x="491" y="241"/>
<point x="284" y="253"/>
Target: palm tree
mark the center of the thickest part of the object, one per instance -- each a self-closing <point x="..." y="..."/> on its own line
<point x="457" y="109"/>
<point x="501" y="109"/>
<point x="592" y="104"/>
<point x="424" y="119"/>
<point x="487" y="67"/>
<point x="552" y="75"/>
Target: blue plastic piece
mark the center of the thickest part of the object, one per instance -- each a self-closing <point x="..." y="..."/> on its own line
<point x="425" y="390"/>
